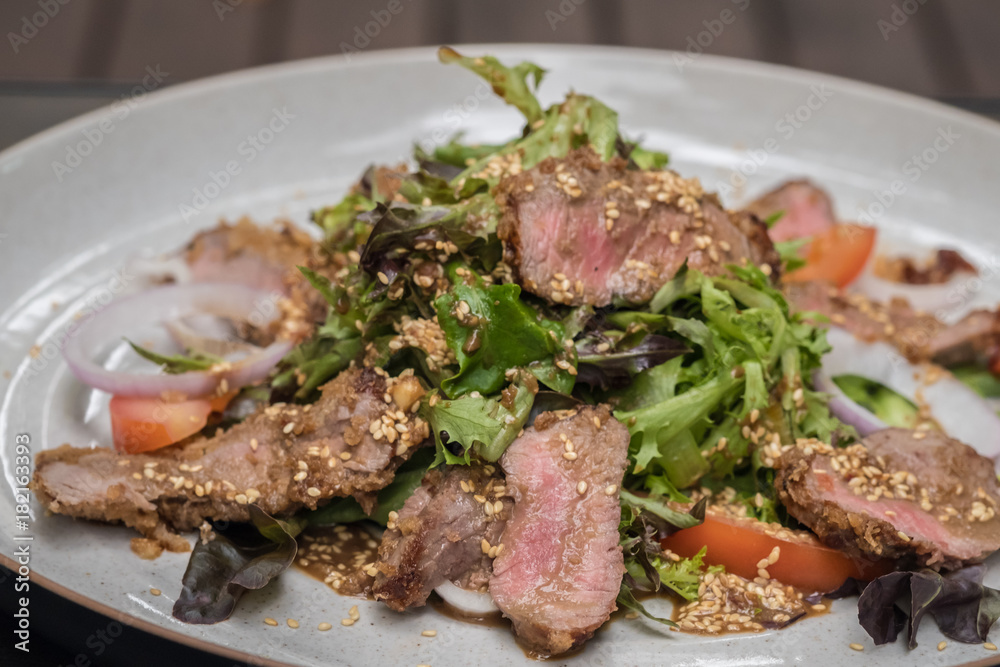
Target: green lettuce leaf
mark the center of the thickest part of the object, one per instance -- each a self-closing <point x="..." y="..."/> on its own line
<point x="500" y="332"/>
<point x="475" y="423"/>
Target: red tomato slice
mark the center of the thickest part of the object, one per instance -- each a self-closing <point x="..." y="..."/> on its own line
<point x="837" y="255"/>
<point x="740" y="544"/>
<point x="145" y="424"/>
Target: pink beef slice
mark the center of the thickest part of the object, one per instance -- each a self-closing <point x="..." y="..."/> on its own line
<point x="581" y="231"/>
<point x="559" y="570"/>
<point x="805" y="210"/>
<point x="918" y="498"/>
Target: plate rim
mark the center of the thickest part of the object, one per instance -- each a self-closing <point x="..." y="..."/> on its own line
<point x="218" y="83"/>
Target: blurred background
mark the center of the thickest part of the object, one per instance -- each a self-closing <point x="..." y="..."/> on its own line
<point x="64" y="57"/>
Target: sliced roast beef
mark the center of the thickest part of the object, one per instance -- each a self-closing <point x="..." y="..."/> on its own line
<point x="283" y="459"/>
<point x="444" y="532"/>
<point x="582" y="231"/>
<point x="559" y="569"/>
<point x="917" y="497"/>
<point x="918" y="335"/>
<point x="267" y="258"/>
<point x="805" y="210"/>
<point x="942" y="267"/>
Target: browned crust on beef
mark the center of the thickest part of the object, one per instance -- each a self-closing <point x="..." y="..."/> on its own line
<point x="216" y="478"/>
<point x="438" y="534"/>
<point x="918" y="335"/>
<point x="943" y="515"/>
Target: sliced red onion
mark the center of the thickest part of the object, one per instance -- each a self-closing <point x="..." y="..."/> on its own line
<point x="169" y="303"/>
<point x="208" y="334"/>
<point x="960" y="411"/>
<point x="155" y="270"/>
<point x="472" y="603"/>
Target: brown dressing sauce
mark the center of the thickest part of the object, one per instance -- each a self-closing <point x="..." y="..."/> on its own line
<point x="336" y="555"/>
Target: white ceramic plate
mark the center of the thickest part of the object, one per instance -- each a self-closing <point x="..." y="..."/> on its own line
<point x="81" y="198"/>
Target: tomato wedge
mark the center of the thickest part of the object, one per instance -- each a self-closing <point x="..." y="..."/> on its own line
<point x="145" y="424"/>
<point x="740" y="544"/>
<point x="837" y="255"/>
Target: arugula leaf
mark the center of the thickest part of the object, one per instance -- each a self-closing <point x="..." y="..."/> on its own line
<point x="789" y="253"/>
<point x="644" y="522"/>
<point x="476" y="423"/>
<point x="240" y="558"/>
<point x="178" y="363"/>
<point x="509" y="83"/>
<point x="491" y="330"/>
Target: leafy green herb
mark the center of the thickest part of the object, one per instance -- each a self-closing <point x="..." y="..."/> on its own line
<point x="790" y="253"/>
<point x="238" y="559"/>
<point x="475" y="423"/>
<point x="178" y="363"/>
<point x="491" y="330"/>
<point x="889" y="406"/>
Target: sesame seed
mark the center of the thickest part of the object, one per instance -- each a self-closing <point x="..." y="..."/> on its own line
<point x="313" y="491"/>
<point x="569" y="456"/>
<point x="354" y="613"/>
<point x="857" y="647"/>
<point x="289" y="427"/>
<point x="429" y="633"/>
<point x="485" y="546"/>
<point x="990" y="646"/>
<point x="323" y="627"/>
<point x="270" y="621"/>
<point x="292" y="623"/>
<point x="610" y="489"/>
<point x="382" y="278"/>
<point x="155" y="591"/>
<point x="581" y="488"/>
<point x="347" y="622"/>
<point x="941" y="645"/>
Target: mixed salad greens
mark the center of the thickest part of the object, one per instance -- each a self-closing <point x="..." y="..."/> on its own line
<point x="684" y="373"/>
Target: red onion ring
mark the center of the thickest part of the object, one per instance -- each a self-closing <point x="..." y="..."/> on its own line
<point x="170" y="303"/>
<point x="961" y="412"/>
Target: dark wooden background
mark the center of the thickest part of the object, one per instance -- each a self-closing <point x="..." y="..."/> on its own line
<point x="64" y="57"/>
<point x="943" y="49"/>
